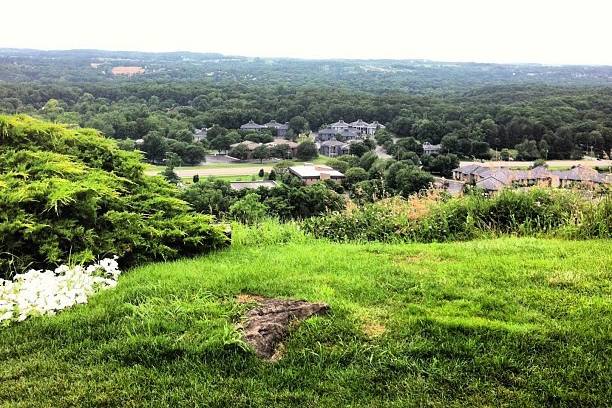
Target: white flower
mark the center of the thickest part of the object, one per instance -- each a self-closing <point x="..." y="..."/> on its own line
<point x="38" y="292"/>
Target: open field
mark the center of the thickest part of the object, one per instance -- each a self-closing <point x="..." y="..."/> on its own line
<point x="203" y="171"/>
<point x="504" y="322"/>
<point x="222" y="169"/>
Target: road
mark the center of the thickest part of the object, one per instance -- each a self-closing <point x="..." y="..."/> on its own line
<point x="215" y="171"/>
<point x="550" y="163"/>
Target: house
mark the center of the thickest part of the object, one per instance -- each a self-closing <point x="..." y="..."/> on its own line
<point x="281" y="128"/>
<point x="430" y="149"/>
<point x="580" y="174"/>
<point x="340" y="125"/>
<point x="250" y="146"/>
<point x="252" y="126"/>
<point x="310" y="173"/>
<point x="494" y="179"/>
<point x="333" y="148"/>
<point x="344" y="134"/>
<point x="326" y="134"/>
<point x="291" y="146"/>
<point x="200" y="134"/>
<point x="241" y="185"/>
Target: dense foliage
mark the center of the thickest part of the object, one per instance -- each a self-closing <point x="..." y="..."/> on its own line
<point x="438" y="219"/>
<point x="287" y="201"/>
<point x="70" y="195"/>
<point x="532" y="112"/>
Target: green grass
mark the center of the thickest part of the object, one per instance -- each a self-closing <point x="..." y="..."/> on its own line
<point x="151" y="167"/>
<point x="504" y="322"/>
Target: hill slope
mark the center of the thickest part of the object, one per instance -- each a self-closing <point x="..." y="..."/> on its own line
<point x="517" y="322"/>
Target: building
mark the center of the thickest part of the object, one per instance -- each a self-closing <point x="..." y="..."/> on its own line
<point x="359" y="126"/>
<point x="311" y="173"/>
<point x="252" y="126"/>
<point x="344" y="134"/>
<point x="431" y="149"/>
<point x="333" y="148"/>
<point x="340" y="125"/>
<point x="281" y="128"/>
<point x="250" y="146"/>
<point x="200" y="134"/>
<point x="241" y="185"/>
<point x="494" y="179"/>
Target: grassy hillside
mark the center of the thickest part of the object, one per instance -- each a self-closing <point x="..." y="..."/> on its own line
<point x="515" y="322"/>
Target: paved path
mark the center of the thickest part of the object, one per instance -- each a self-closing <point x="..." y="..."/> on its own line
<point x="219" y="171"/>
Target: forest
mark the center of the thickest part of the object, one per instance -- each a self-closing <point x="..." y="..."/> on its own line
<point x="474" y="110"/>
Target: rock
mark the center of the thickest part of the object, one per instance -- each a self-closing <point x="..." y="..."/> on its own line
<point x="267" y="324"/>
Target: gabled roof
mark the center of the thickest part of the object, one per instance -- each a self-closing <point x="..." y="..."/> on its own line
<point x="252" y="125"/>
<point x="469" y="169"/>
<point x="278" y="142"/>
<point x="339" y="123"/>
<point x="491" y="184"/>
<point x="274" y="124"/>
<point x="328" y="131"/>
<point x="248" y="144"/>
<point x="359" y="123"/>
<point x="580" y="173"/>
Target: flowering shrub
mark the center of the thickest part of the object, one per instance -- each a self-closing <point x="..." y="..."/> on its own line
<point x="39" y="292"/>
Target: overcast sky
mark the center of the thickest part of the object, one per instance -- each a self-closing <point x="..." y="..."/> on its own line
<point x="545" y="31"/>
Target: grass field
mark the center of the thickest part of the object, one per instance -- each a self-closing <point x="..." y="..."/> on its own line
<point x="504" y="322"/>
<point x="223" y="169"/>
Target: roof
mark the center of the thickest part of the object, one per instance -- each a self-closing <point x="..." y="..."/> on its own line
<point x="359" y="123"/>
<point x="274" y="124"/>
<point x="328" y="131"/>
<point x="580" y="173"/>
<point x="491" y="184"/>
<point x="339" y="123"/>
<point x="332" y="142"/>
<point x="469" y="169"/>
<point x="252" y="125"/>
<point x="278" y="142"/>
<point x="248" y="144"/>
<point x="429" y="146"/>
<point x="240" y="185"/>
<point x="315" y="171"/>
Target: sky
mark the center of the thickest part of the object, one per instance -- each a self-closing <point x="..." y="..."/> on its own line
<point x="503" y="31"/>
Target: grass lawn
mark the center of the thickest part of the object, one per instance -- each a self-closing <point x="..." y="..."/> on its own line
<point x="157" y="168"/>
<point x="504" y="322"/>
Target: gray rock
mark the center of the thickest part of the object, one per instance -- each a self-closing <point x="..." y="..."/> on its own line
<point x="267" y="324"/>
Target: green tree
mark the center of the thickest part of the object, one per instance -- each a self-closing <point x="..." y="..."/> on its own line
<point x="298" y="124"/>
<point x="261" y="153"/>
<point x="354" y="175"/>
<point x="248" y="209"/>
<point x="307" y="150"/>
<point x="155" y="147"/>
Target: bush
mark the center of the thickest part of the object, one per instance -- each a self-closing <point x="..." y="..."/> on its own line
<point x="70" y="195"/>
<point x="532" y="212"/>
<point x="307" y="150"/>
<point x="248" y="210"/>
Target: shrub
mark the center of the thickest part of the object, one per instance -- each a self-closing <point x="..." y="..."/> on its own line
<point x="248" y="209"/>
<point x="70" y="195"/>
<point x="532" y="212"/>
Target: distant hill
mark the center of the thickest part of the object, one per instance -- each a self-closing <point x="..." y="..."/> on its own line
<point x="20" y="65"/>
